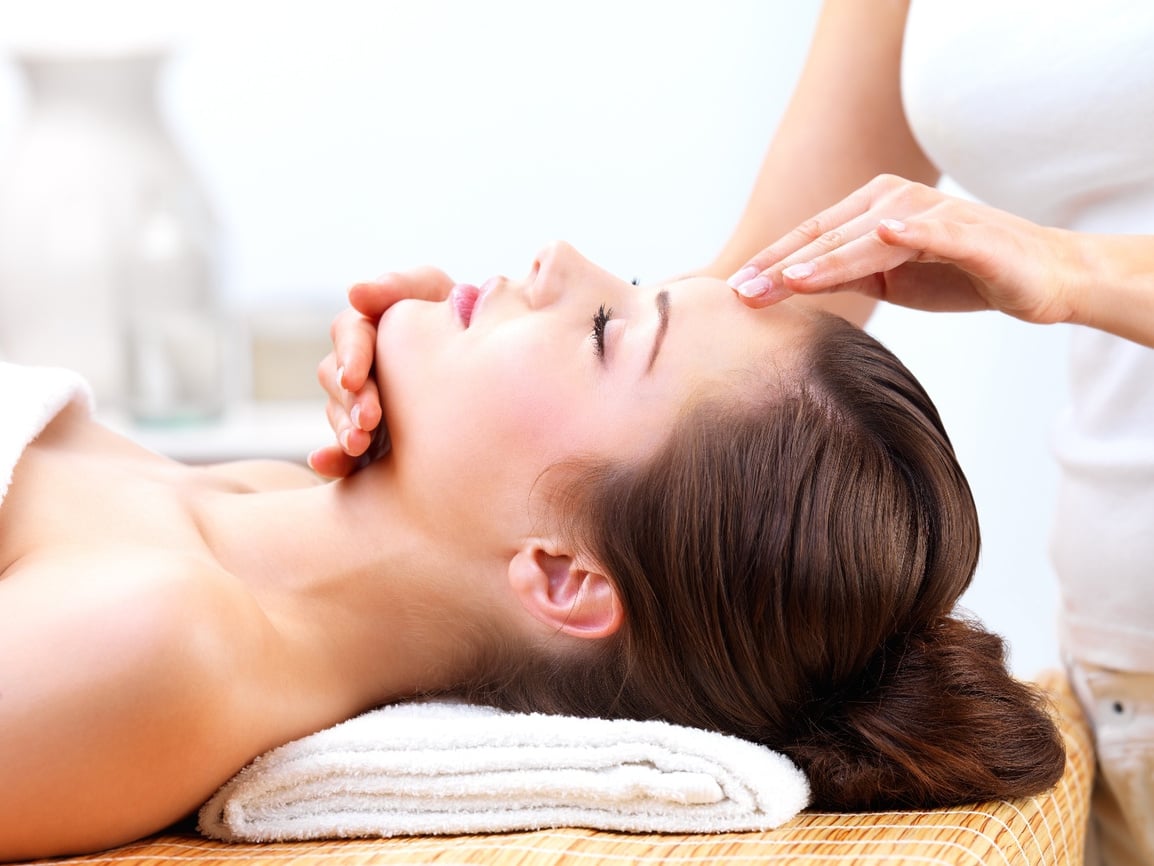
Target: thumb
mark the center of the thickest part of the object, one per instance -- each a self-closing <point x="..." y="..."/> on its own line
<point x="371" y="298"/>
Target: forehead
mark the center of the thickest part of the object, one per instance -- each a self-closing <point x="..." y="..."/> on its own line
<point x="708" y="321"/>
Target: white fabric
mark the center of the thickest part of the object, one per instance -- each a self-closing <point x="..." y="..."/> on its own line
<point x="450" y="768"/>
<point x="30" y="397"/>
<point x="1120" y="708"/>
<point x="1046" y="108"/>
<point x="1041" y="107"/>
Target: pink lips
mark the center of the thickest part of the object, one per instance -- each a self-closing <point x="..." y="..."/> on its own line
<point x="465" y="298"/>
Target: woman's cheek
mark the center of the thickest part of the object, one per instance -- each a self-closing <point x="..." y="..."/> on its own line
<point x="528" y="416"/>
<point x="535" y="406"/>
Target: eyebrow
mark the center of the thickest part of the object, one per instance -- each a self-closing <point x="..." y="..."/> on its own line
<point x="662" y="302"/>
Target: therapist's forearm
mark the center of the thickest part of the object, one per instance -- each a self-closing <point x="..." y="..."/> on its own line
<point x="1116" y="290"/>
<point x="845" y="124"/>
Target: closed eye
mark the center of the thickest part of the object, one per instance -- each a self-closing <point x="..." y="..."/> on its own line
<point x="600" y="320"/>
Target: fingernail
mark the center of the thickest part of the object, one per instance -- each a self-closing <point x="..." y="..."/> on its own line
<point x="754" y="288"/>
<point x="894" y="225"/>
<point x="341" y="376"/>
<point x="344" y="437"/>
<point x="355" y="417"/>
<point x="742" y="277"/>
<point x="799" y="271"/>
<point x="311" y="458"/>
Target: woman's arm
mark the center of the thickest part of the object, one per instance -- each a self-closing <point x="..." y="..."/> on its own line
<point x="117" y="704"/>
<point x="844" y="125"/>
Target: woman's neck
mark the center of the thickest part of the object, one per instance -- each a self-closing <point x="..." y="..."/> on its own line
<point x="373" y="603"/>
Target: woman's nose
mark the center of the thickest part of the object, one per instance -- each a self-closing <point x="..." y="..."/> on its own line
<point x="555" y="270"/>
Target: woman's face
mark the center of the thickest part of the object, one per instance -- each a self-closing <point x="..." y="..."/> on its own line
<point x="487" y="390"/>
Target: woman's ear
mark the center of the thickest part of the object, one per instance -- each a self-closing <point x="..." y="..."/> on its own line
<point x="558" y="589"/>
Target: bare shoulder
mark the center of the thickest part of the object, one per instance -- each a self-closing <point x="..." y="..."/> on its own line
<point x="120" y="674"/>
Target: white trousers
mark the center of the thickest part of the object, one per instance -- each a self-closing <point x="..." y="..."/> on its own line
<point x="1120" y="707"/>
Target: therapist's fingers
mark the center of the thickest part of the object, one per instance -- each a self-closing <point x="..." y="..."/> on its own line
<point x="792" y="263"/>
<point x="990" y="259"/>
<point x="334" y="461"/>
<point x="331" y="462"/>
<point x="352" y="415"/>
<point x="757" y="283"/>
<point x="354" y="403"/>
<point x="857" y="265"/>
<point x="363" y="406"/>
<point x="354" y="340"/>
<point x="372" y="297"/>
<point x="354" y="331"/>
<point x="352" y="439"/>
<point x="842" y="260"/>
<point x="973" y="258"/>
<point x="899" y="263"/>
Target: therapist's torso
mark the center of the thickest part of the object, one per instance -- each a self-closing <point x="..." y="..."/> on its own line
<point x="1046" y="109"/>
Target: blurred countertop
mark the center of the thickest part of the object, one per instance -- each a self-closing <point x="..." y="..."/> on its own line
<point x="283" y="430"/>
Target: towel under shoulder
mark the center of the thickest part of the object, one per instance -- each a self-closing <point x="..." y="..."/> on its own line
<point x="450" y="768"/>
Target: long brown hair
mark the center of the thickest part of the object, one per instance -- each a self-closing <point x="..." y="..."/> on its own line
<point x="789" y="565"/>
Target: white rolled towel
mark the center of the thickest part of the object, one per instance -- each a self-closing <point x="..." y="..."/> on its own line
<point x="450" y="768"/>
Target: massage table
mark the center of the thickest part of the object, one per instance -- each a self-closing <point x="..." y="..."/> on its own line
<point x="1047" y="829"/>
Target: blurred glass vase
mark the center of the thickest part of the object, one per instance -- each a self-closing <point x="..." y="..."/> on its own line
<point x="108" y="247"/>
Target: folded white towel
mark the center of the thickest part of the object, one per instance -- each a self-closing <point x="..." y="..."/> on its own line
<point x="451" y="768"/>
<point x="30" y="397"/>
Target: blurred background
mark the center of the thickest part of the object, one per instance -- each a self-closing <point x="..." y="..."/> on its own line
<point x="186" y="190"/>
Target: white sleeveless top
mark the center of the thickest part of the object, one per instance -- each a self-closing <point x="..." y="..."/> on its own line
<point x="1046" y="108"/>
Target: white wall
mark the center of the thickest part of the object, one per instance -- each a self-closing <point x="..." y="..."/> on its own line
<point x="344" y="139"/>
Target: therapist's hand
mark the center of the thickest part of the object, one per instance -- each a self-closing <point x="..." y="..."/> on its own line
<point x="354" y="405"/>
<point x="910" y="244"/>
